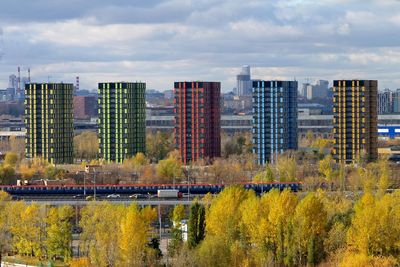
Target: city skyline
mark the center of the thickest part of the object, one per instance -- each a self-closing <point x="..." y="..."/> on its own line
<point x="211" y="40"/>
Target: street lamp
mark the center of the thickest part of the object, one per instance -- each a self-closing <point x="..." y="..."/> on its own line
<point x="188" y="184"/>
<point x="94" y="179"/>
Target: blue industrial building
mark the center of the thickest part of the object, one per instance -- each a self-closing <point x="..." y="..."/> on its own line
<point x="391" y="131"/>
<point x="274" y="118"/>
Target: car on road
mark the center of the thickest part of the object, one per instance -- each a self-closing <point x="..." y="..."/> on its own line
<point x="78" y="196"/>
<point x="114" y="196"/>
<point x="89" y="198"/>
<point x="16" y="198"/>
<point x="138" y="196"/>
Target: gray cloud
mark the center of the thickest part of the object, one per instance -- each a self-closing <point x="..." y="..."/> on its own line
<point x="160" y="41"/>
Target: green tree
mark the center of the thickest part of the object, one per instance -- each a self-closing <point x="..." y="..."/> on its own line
<point x="7" y="174"/>
<point x="196" y="224"/>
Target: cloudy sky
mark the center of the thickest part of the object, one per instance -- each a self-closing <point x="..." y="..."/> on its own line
<point x="163" y="41"/>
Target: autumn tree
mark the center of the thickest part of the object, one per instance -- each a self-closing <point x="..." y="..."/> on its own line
<point x="286" y="167"/>
<point x="265" y="176"/>
<point x="383" y="180"/>
<point x="178" y="214"/>
<point x="310" y="231"/>
<point x="100" y="224"/>
<point x="86" y="145"/>
<point x="5" y="237"/>
<point x="28" y="229"/>
<point x="11" y="159"/>
<point x="135" y="231"/>
<point x="266" y="224"/>
<point x="375" y="228"/>
<point x="17" y="146"/>
<point x="326" y="168"/>
<point x="222" y="218"/>
<point x="137" y="162"/>
<point x="170" y="168"/>
<point x="59" y="235"/>
<point x="159" y="145"/>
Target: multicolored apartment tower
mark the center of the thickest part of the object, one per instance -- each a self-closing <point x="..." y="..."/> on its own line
<point x="355" y="120"/>
<point x="197" y="120"/>
<point x="49" y="120"/>
<point x="122" y="115"/>
<point x="274" y="118"/>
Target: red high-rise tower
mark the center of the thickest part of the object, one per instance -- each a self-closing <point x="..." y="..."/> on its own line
<point x="197" y="120"/>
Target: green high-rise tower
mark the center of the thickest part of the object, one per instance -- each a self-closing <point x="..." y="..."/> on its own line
<point x="122" y="125"/>
<point x="49" y="122"/>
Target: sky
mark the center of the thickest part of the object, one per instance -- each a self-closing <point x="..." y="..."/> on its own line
<point x="160" y="42"/>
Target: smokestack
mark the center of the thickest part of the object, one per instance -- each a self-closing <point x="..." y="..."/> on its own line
<point x="29" y="75"/>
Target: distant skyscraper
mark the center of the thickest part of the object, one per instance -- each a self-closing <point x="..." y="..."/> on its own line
<point x="244" y="81"/>
<point x="49" y="121"/>
<point x="396" y="101"/>
<point x="385" y="102"/>
<point x="274" y="118"/>
<point x="122" y="126"/>
<point x="13" y="82"/>
<point x="317" y="90"/>
<point x="355" y="120"/>
<point x="197" y="120"/>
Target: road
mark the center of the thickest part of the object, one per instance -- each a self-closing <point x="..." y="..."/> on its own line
<point x="59" y="200"/>
<point x="124" y="202"/>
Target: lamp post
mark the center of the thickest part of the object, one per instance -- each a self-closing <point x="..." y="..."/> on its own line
<point x="94" y="180"/>
<point x="188" y="184"/>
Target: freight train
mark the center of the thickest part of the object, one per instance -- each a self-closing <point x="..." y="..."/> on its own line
<point x="200" y="189"/>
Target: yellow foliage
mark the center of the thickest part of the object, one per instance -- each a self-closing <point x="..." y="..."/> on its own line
<point x="134" y="235"/>
<point x="80" y="262"/>
<point x="223" y="217"/>
<point x="362" y="260"/>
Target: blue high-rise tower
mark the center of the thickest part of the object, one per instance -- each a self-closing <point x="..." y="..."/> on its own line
<point x="274" y="118"/>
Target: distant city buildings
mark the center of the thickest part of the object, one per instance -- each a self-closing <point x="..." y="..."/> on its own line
<point x="389" y="101"/>
<point x="85" y="107"/>
<point x="274" y="118"/>
<point x="49" y="122"/>
<point x="197" y="120"/>
<point x="319" y="90"/>
<point x="243" y="82"/>
<point x="396" y="101"/>
<point x="385" y="102"/>
<point x="355" y="120"/>
<point x="122" y="127"/>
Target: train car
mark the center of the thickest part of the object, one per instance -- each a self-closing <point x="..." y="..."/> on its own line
<point x="198" y="189"/>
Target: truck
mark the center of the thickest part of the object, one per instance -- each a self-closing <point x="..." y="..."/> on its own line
<point x="169" y="193"/>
